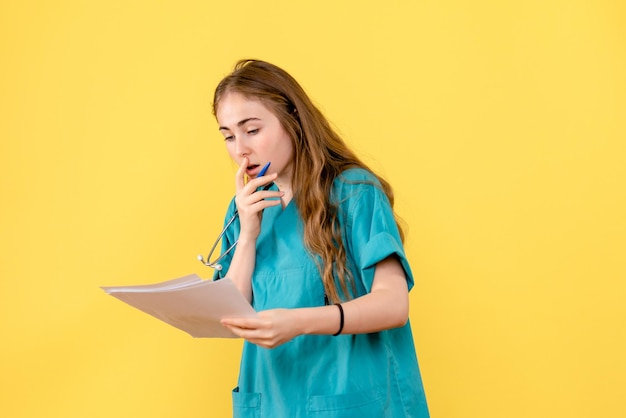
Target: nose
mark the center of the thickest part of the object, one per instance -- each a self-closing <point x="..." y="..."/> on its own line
<point x="241" y="148"/>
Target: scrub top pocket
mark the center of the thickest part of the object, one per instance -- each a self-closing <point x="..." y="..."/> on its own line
<point x="246" y="405"/>
<point x="367" y="403"/>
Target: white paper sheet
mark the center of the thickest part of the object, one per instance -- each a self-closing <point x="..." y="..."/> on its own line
<point x="188" y="303"/>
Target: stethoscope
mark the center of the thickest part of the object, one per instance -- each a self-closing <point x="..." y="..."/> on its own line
<point x="216" y="263"/>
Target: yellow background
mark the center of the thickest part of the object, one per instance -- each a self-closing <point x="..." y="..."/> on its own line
<point x="500" y="124"/>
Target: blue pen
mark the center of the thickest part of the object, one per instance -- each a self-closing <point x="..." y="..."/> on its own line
<point x="262" y="172"/>
<point x="264" y="169"/>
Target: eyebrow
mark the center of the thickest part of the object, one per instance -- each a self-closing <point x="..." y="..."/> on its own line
<point x="240" y="123"/>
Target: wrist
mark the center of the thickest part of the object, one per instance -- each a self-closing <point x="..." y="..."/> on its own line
<point x="341" y="319"/>
<point x="246" y="240"/>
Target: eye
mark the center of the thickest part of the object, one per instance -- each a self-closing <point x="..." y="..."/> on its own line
<point x="253" y="131"/>
<point x="229" y="138"/>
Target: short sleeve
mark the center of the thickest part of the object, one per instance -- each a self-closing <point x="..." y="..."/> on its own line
<point x="370" y="231"/>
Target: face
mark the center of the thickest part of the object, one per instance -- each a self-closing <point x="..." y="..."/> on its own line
<point x="252" y="131"/>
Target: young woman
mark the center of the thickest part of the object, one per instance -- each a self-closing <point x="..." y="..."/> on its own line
<point x="320" y="257"/>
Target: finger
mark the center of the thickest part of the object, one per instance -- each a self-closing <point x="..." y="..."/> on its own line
<point x="252" y="335"/>
<point x="262" y="195"/>
<point x="261" y="181"/>
<point x="242" y="323"/>
<point x="236" y="331"/>
<point x="255" y="336"/>
<point x="259" y="206"/>
<point x="240" y="180"/>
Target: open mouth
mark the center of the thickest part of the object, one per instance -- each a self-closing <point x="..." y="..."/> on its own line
<point x="253" y="170"/>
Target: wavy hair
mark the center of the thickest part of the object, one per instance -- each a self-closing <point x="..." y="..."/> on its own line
<point x="319" y="153"/>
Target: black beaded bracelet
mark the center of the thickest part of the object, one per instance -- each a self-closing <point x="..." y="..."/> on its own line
<point x="340" y="319"/>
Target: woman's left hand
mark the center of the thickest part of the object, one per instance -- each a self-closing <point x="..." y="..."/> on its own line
<point x="270" y="329"/>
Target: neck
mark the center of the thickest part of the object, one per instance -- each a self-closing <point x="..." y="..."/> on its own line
<point x="288" y="193"/>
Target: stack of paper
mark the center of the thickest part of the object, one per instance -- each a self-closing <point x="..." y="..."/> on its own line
<point x="188" y="303"/>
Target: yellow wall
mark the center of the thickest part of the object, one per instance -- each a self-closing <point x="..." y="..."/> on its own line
<point x="500" y="123"/>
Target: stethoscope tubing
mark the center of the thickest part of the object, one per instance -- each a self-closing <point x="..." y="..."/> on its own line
<point x="215" y="264"/>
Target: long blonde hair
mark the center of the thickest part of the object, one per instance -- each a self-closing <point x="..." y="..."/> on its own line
<point x="319" y="153"/>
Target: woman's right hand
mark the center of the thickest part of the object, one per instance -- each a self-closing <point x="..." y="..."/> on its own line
<point x="250" y="202"/>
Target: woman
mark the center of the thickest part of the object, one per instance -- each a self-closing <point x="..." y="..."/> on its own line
<point x="319" y="256"/>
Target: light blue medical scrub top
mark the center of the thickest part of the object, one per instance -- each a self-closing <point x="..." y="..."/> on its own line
<point x="365" y="375"/>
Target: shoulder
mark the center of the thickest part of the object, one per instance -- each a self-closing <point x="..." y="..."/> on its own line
<point x="358" y="176"/>
<point x="354" y="185"/>
<point x="355" y="179"/>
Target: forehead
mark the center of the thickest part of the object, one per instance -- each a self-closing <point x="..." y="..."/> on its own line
<point x="235" y="107"/>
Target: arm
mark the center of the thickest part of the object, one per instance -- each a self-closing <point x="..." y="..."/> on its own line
<point x="385" y="307"/>
<point x="250" y="204"/>
<point x="242" y="266"/>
